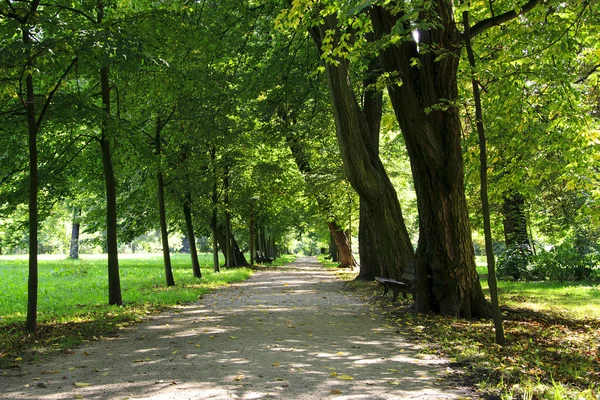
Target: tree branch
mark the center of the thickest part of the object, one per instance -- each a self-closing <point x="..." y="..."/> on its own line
<point x="588" y="74"/>
<point x="54" y="90"/>
<point x="502" y="18"/>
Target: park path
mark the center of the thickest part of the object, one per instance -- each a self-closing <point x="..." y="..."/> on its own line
<point x="288" y="332"/>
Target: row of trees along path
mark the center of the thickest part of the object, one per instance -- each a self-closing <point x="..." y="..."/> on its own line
<point x="289" y="332"/>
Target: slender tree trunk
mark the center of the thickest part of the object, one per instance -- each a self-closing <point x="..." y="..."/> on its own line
<point x="32" y="126"/>
<point x="74" y="247"/>
<point x="363" y="166"/>
<point x="228" y="246"/>
<point x="162" y="212"/>
<point x="489" y="245"/>
<point x="251" y="234"/>
<point x="263" y="241"/>
<point x="425" y="107"/>
<point x="187" y="212"/>
<point x="215" y="198"/>
<point x="114" y="282"/>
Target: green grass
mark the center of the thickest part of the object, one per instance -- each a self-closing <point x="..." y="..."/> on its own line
<point x="573" y="300"/>
<point x="327" y="263"/>
<point x="73" y="296"/>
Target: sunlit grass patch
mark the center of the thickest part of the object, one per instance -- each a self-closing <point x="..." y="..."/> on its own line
<point x="327" y="263"/>
<point x="73" y="295"/>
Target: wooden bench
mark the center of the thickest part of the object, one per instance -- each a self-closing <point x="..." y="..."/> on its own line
<point x="261" y="258"/>
<point x="406" y="285"/>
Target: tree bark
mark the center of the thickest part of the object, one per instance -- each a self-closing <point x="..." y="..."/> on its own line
<point x="368" y="242"/>
<point x="114" y="282"/>
<point x="333" y="250"/>
<point x="74" y="247"/>
<point x="363" y="166"/>
<point x="189" y="224"/>
<point x="228" y="245"/>
<point x="425" y="107"/>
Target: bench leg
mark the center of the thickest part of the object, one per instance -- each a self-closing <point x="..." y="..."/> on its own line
<point x="396" y="293"/>
<point x="385" y="289"/>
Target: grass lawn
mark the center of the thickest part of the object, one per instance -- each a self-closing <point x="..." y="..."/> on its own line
<point x="552" y="331"/>
<point x="73" y="297"/>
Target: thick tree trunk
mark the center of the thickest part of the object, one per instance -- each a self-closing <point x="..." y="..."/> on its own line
<point x="74" y="247"/>
<point x="114" y="282"/>
<point x="425" y="107"/>
<point x="32" y="127"/>
<point x="189" y="225"/>
<point x="363" y="166"/>
<point x="515" y="224"/>
<point x="162" y="212"/>
<point x="368" y="242"/>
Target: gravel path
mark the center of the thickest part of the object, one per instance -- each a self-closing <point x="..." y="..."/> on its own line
<point x="288" y="332"/>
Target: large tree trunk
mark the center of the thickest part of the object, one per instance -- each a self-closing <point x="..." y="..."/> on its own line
<point x="425" y="107"/>
<point x="363" y="166"/>
<point x="189" y="225"/>
<point x="75" y="229"/>
<point x="114" y="282"/>
<point x="162" y="212"/>
<point x="32" y="280"/>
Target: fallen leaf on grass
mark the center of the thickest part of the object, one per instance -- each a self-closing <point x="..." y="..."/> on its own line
<point x="19" y="359"/>
<point x="233" y="337"/>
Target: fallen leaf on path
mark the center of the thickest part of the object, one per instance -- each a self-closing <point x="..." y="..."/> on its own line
<point x="82" y="384"/>
<point x="54" y="371"/>
<point x="333" y="374"/>
<point x="276" y="364"/>
<point x="174" y="352"/>
<point x="335" y="391"/>
<point x="345" y="377"/>
<point x="239" y="377"/>
<point x="233" y="337"/>
<point x="392" y="370"/>
<point x="78" y="396"/>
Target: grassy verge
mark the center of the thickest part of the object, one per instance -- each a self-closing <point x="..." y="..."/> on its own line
<point x="73" y="296"/>
<point x="552" y="331"/>
<point x="327" y="263"/>
<point x="282" y="260"/>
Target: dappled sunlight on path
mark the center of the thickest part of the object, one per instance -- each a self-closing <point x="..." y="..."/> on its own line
<point x="288" y="332"/>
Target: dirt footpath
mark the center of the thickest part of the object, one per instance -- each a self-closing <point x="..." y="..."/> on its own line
<point x="288" y="332"/>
